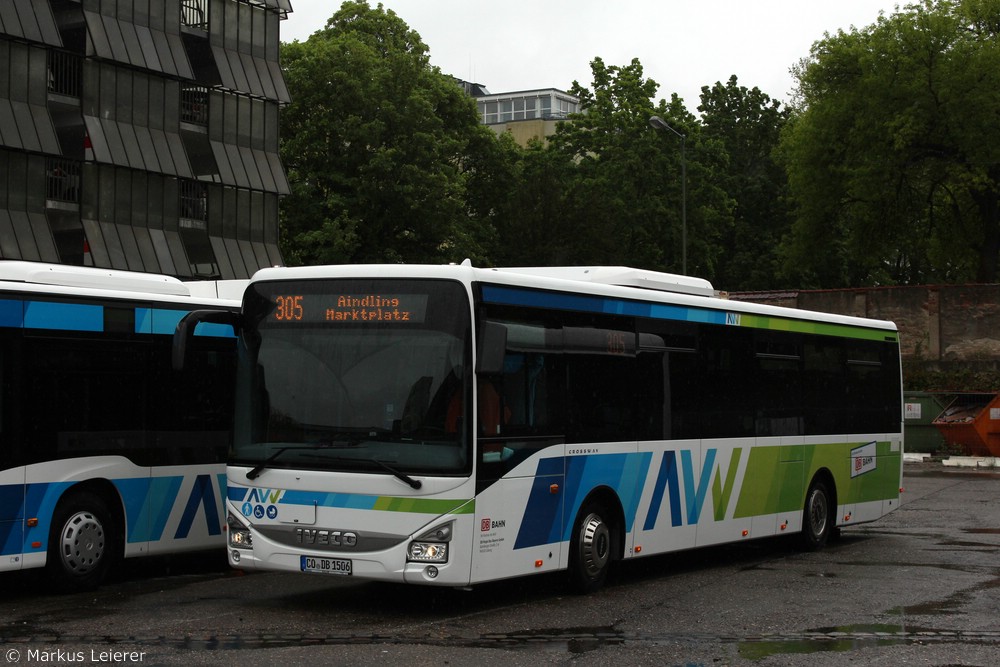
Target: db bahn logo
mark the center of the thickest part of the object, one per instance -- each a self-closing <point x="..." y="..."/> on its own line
<point x="488" y="524"/>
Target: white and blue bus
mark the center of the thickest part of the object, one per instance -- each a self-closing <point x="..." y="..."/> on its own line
<point x="106" y="451"/>
<point x="451" y="425"/>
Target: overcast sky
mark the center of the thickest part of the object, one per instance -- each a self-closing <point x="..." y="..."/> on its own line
<point x="682" y="44"/>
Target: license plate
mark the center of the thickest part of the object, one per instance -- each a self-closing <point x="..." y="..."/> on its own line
<point x="325" y="565"/>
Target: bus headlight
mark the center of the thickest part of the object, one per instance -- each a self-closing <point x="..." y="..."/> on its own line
<point x="431" y="546"/>
<point x="239" y="534"/>
<point x="427" y="552"/>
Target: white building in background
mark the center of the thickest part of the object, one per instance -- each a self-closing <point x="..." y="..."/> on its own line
<point x="526" y="114"/>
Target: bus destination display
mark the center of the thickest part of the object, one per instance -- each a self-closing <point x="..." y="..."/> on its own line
<point x="349" y="308"/>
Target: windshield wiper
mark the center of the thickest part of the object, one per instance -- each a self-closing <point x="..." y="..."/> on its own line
<point x="414" y="483"/>
<point x="255" y="472"/>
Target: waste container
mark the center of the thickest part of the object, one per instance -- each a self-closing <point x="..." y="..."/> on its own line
<point x="971" y="423"/>
<point x="919" y="432"/>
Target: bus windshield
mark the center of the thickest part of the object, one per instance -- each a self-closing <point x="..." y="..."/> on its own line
<point x="365" y="375"/>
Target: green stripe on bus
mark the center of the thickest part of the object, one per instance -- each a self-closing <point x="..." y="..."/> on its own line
<point x="425" y="505"/>
<point x="819" y="328"/>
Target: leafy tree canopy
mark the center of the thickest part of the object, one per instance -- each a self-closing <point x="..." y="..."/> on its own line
<point x="374" y="142"/>
<point x="622" y="192"/>
<point x="893" y="157"/>
<point x="748" y="124"/>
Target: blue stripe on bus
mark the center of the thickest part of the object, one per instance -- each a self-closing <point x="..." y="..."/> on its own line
<point x="63" y="316"/>
<point x="148" y="504"/>
<point x="352" y="501"/>
<point x="10" y="537"/>
<point x="11" y="518"/>
<point x="668" y="473"/>
<point x="40" y="502"/>
<point x="510" y="296"/>
<point x="11" y="313"/>
<point x="53" y="315"/>
<point x="544" y="524"/>
<point x="11" y="502"/>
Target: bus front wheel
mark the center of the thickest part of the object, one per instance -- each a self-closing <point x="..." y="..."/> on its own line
<point x="83" y="541"/>
<point x="817" y="516"/>
<point x="592" y="544"/>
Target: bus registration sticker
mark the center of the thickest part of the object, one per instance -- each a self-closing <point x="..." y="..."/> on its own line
<point x="321" y="565"/>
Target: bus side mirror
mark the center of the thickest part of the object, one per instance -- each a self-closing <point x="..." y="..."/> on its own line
<point x="185" y="331"/>
<point x="492" y="346"/>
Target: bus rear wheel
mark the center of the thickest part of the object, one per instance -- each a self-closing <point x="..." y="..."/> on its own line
<point x="817" y="516"/>
<point x="592" y="546"/>
<point x="83" y="542"/>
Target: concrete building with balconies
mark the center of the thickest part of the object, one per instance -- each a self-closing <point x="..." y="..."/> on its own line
<point x="142" y="134"/>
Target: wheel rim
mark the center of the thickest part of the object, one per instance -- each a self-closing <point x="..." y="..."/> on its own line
<point x="82" y="543"/>
<point x="595" y="545"/>
<point x="819" y="513"/>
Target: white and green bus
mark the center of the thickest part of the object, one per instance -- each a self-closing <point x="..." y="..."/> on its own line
<point x="451" y="425"/>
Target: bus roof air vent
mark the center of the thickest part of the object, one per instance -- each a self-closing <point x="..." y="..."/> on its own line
<point x="89" y="277"/>
<point x="623" y="276"/>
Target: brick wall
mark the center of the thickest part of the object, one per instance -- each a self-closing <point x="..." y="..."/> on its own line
<point x="950" y="328"/>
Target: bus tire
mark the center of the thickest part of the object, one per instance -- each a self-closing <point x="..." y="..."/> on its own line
<point x="84" y="541"/>
<point x="592" y="548"/>
<point x="817" y="516"/>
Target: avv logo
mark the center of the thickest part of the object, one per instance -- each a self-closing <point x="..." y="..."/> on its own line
<point x="266" y="496"/>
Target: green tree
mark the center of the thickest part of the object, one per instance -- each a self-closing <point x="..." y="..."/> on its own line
<point x="748" y="124"/>
<point x="376" y="143"/>
<point x="893" y="156"/>
<point x="623" y="197"/>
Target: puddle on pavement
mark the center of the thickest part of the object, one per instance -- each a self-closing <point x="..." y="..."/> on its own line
<point x="827" y="640"/>
<point x="562" y="640"/>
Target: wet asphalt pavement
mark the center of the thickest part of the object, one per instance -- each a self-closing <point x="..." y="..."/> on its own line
<point x="920" y="586"/>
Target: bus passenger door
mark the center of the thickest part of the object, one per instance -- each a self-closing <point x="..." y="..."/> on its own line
<point x="519" y="509"/>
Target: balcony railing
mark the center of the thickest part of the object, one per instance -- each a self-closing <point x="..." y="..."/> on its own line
<point x="194" y="105"/>
<point x="194" y="204"/>
<point x="62" y="180"/>
<point x="194" y="14"/>
<point x="65" y="73"/>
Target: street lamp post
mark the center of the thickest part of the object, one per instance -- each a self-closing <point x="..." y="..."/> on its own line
<point x="658" y="123"/>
